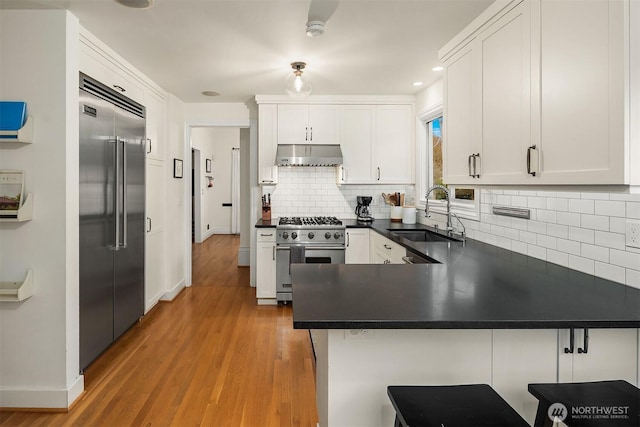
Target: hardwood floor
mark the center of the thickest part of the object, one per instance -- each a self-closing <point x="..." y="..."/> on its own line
<point x="212" y="357"/>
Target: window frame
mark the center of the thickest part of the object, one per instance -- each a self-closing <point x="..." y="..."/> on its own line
<point x="464" y="209"/>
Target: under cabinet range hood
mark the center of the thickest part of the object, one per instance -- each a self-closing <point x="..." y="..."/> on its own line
<point x="308" y="155"/>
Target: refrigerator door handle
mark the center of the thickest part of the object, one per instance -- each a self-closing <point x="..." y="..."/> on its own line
<point x="124" y="194"/>
<point x="116" y="198"/>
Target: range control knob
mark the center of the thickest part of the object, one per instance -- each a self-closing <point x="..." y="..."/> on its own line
<point x="327" y="235"/>
<point x="294" y="235"/>
<point x="336" y="235"/>
<point x="285" y="235"/>
<point x="311" y="235"/>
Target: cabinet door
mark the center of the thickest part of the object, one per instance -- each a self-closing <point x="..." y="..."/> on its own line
<point x="266" y="264"/>
<point x="394" y="149"/>
<point x="153" y="270"/>
<point x="357" y="139"/>
<point x="582" y="92"/>
<point x="506" y="97"/>
<point x="155" y="197"/>
<point x="357" y="251"/>
<point x="459" y="137"/>
<point x="612" y="355"/>
<point x="154" y="233"/>
<point x="267" y="144"/>
<point x="156" y="121"/>
<point x="293" y="124"/>
<point x="324" y="124"/>
<point x="521" y="357"/>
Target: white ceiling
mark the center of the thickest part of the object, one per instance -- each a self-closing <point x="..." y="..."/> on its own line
<point x="241" y="48"/>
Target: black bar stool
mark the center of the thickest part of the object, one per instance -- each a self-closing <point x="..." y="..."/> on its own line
<point x="589" y="404"/>
<point x="476" y="405"/>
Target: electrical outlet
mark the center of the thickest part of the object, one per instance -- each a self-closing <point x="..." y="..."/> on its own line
<point x="633" y="234"/>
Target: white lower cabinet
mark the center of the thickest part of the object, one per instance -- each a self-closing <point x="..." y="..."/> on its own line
<point x="266" y="265"/>
<point x="154" y="233"/>
<point x="525" y="356"/>
<point x="357" y="251"/>
<point x="385" y="251"/>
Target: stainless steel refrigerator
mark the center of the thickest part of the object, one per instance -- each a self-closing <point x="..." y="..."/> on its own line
<point x="112" y="201"/>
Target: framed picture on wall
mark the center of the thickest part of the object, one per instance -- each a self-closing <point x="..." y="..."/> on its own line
<point x="177" y="168"/>
<point x="208" y="165"/>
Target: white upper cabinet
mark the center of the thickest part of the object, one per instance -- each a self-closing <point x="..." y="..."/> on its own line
<point x="394" y="148"/>
<point x="308" y="124"/>
<point x="267" y="144"/>
<point x="156" y="120"/>
<point x="539" y="92"/>
<point x="357" y="137"/>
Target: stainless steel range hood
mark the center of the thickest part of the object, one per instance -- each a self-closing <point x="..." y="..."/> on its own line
<point x="308" y="155"/>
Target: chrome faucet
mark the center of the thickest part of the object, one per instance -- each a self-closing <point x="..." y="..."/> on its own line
<point x="446" y="193"/>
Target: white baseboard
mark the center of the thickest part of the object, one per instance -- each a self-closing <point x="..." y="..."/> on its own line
<point x="267" y="301"/>
<point x="213" y="231"/>
<point x="244" y="256"/>
<point x="171" y="294"/>
<point x="42" y="398"/>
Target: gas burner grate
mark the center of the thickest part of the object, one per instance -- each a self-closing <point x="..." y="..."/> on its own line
<point x="310" y="220"/>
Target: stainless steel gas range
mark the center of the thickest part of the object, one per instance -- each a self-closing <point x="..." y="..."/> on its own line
<point x="306" y="240"/>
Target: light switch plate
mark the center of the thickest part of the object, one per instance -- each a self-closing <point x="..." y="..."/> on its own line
<point x="633" y="234"/>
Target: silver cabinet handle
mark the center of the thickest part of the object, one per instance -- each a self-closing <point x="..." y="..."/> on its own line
<point x="149" y="146"/>
<point x="476" y="157"/>
<point x="407" y="260"/>
<point x="148" y="225"/>
<point x="342" y="170"/>
<point x="313" y="248"/>
<point x="119" y="88"/>
<point x="267" y="180"/>
<point x="347" y="239"/>
<point x="274" y="253"/>
<point x="378" y="173"/>
<point x="532" y="157"/>
<point x="266" y="235"/>
<point x="469" y="165"/>
<point x="125" y="211"/>
<point x="387" y="247"/>
<point x="311" y="133"/>
<point x="306" y="134"/>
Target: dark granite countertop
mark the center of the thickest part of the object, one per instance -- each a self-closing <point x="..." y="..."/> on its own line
<point x="267" y="224"/>
<point x="476" y="286"/>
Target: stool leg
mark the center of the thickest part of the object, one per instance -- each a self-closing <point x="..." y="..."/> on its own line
<point x="397" y="422"/>
<point x="542" y="420"/>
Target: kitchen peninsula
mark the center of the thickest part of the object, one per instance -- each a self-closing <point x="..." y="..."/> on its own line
<point x="483" y="315"/>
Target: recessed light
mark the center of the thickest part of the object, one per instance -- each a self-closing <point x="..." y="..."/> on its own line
<point x="136" y="4"/>
<point x="418" y="83"/>
<point x="210" y="93"/>
<point x="438" y="68"/>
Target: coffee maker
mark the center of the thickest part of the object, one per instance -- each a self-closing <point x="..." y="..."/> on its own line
<point x="362" y="209"/>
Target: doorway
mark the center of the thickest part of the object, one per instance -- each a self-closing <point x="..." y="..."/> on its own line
<point x="196" y="223"/>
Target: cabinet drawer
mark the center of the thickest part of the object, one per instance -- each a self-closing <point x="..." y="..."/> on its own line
<point x="381" y="245"/>
<point x="266" y="235"/>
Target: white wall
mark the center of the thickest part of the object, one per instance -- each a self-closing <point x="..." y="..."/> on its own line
<point x="215" y="144"/>
<point x="176" y="198"/>
<point x="39" y="338"/>
<point x="245" y="197"/>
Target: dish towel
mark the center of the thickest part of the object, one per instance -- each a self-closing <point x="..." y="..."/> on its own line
<point x="296" y="255"/>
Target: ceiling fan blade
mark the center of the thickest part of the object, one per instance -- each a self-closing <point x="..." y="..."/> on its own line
<point x="321" y="10"/>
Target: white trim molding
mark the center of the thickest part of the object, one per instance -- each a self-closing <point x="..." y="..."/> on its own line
<point x="42" y="398"/>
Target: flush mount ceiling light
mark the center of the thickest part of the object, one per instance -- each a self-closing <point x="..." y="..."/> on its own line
<point x="418" y="83"/>
<point x="210" y="93"/>
<point x="136" y="4"/>
<point x="438" y="68"/>
<point x="315" y="29"/>
<point x="295" y="86"/>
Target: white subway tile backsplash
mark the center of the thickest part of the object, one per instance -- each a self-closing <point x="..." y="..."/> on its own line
<point x="610" y="272"/>
<point x="609" y="208"/>
<point x="544" y="215"/>
<point x="519" y="201"/>
<point x="556" y="204"/>
<point x="617" y="225"/>
<point x="503" y="200"/>
<point x="581" y="206"/>
<point x="519" y="247"/>
<point x="537" y="252"/>
<point x="537" y="227"/>
<point x="560" y="231"/>
<point x="569" y="246"/>
<point x="559" y="258"/>
<point x="595" y="196"/>
<point x="582" y="264"/>
<point x="595" y="222"/>
<point x="568" y="195"/>
<point x="537" y="202"/>
<point x="625" y="259"/>
<point x="625" y="197"/>
<point x="610" y="240"/>
<point x="594" y="252"/>
<point x="633" y="210"/>
<point x="568" y="218"/>
<point x="546" y="241"/>
<point x="528" y="237"/>
<point x="581" y="235"/>
<point x="633" y="278"/>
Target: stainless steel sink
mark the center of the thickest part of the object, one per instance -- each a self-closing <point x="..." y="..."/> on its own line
<point x="423" y="236"/>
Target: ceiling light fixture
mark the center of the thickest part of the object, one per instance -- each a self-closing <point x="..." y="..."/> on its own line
<point x="315" y="29"/>
<point x="438" y="68"/>
<point x="136" y="4"/>
<point x="295" y="86"/>
<point x="418" y="83"/>
<point x="210" y="93"/>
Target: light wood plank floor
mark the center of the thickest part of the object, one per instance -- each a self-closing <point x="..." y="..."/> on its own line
<point x="211" y="357"/>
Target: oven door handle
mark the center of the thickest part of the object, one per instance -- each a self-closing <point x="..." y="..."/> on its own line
<point x="312" y="248"/>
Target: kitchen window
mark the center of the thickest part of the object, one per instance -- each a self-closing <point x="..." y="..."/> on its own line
<point x="464" y="200"/>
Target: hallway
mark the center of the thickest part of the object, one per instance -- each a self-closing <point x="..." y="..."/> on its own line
<point x="212" y="357"/>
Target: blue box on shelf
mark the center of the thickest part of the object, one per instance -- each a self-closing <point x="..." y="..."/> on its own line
<point x="13" y="115"/>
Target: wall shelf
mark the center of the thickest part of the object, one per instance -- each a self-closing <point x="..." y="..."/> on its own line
<point x="25" y="213"/>
<point x="23" y="135"/>
<point x="17" y="291"/>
